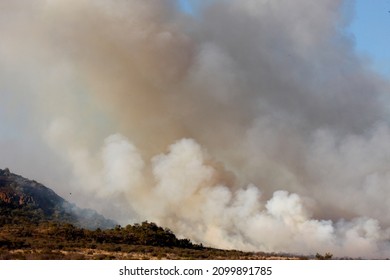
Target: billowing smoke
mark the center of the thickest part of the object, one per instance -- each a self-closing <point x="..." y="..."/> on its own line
<point x="251" y="124"/>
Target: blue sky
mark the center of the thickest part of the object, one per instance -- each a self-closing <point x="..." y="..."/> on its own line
<point x="185" y="6"/>
<point x="370" y="27"/>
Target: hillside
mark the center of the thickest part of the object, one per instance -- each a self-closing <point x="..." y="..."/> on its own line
<point x="24" y="200"/>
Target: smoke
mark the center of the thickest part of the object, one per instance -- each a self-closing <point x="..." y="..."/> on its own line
<point x="251" y="124"/>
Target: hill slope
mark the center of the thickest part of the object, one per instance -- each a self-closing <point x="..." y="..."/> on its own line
<point x="24" y="199"/>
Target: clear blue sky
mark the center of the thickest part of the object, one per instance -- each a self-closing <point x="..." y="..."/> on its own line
<point x="370" y="28"/>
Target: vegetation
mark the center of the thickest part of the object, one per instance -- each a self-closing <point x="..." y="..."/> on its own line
<point x="327" y="256"/>
<point x="50" y="240"/>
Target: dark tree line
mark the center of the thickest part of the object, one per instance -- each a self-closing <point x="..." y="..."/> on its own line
<point x="145" y="233"/>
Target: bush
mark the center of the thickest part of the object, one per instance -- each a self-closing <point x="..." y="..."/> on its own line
<point x="327" y="256"/>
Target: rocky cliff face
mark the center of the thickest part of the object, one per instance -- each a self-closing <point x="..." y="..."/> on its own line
<point x="23" y="197"/>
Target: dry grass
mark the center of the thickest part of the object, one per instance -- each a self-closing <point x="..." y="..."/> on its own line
<point x="97" y="254"/>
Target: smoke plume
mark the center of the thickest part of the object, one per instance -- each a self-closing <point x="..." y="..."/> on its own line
<point x="250" y="124"/>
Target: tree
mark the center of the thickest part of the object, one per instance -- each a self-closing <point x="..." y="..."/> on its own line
<point x="327" y="256"/>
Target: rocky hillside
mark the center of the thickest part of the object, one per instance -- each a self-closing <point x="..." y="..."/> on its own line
<point x="23" y="199"/>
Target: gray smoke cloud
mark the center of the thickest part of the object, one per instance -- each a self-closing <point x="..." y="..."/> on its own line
<point x="252" y="125"/>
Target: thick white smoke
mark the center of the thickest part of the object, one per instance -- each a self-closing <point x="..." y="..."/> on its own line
<point x="251" y="125"/>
